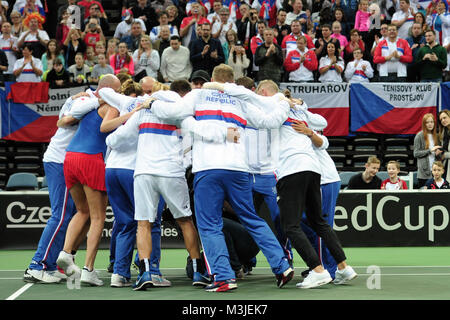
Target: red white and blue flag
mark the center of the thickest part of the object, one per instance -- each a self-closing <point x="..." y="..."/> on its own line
<point x="331" y="101"/>
<point x="31" y="122"/>
<point x="391" y="108"/>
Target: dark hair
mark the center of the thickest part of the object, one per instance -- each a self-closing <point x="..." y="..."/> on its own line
<point x="162" y="13"/>
<point x="57" y="61"/>
<point x="343" y="14"/>
<point x="128" y="57"/>
<point x="181" y="87"/>
<point x="28" y="46"/>
<point x="57" y="50"/>
<point x="175" y="37"/>
<point x="326" y="25"/>
<point x="246" y="82"/>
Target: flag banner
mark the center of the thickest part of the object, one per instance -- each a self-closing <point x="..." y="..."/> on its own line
<point x="32" y="122"/>
<point x="444" y="96"/>
<point x="29" y="92"/>
<point x="330" y="100"/>
<point x="391" y="108"/>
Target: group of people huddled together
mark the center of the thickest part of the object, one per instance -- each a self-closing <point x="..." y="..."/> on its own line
<point x="209" y="153"/>
<point x="280" y="40"/>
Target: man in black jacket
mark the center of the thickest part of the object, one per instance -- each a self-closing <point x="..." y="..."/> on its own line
<point x="269" y="59"/>
<point x="206" y="52"/>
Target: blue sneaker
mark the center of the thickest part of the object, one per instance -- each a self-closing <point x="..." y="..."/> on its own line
<point x="222" y="286"/>
<point x="200" y="280"/>
<point x="143" y="281"/>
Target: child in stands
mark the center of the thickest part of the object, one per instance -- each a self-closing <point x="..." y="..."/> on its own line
<point x="393" y="182"/>
<point x="437" y="182"/>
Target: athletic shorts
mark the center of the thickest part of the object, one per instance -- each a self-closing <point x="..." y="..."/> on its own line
<point x="147" y="190"/>
<point x="86" y="169"/>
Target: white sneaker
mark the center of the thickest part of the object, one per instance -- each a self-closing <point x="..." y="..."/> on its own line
<point x="344" y="275"/>
<point x="39" y="276"/>
<point x="315" y="279"/>
<point x="58" y="274"/>
<point x="118" y="281"/>
<point x="65" y="262"/>
<point x="90" y="277"/>
<point x="160" y="281"/>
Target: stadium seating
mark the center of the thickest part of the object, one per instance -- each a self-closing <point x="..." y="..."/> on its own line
<point x="22" y="181"/>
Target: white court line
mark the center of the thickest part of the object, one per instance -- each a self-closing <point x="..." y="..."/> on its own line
<point x="20" y="291"/>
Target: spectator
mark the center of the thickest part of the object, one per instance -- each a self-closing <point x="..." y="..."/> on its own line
<point x="146" y="60"/>
<point x="73" y="45"/>
<point x="355" y="43"/>
<point x="36" y="37"/>
<point x="95" y="13"/>
<point x="403" y="18"/>
<point x="62" y="29"/>
<point x="392" y="55"/>
<point x="431" y="59"/>
<point x="198" y="78"/>
<point x="79" y="72"/>
<point x="53" y="52"/>
<point x="144" y="11"/>
<point x="269" y="58"/>
<point x="358" y="70"/>
<point x="134" y="38"/>
<point x="175" y="61"/>
<point x="17" y="26"/>
<point x="28" y="68"/>
<point x="163" y="19"/>
<point x="446" y="45"/>
<point x="189" y="24"/>
<point x="63" y="9"/>
<point x="90" y="59"/>
<point x="444" y="135"/>
<point x="368" y="178"/>
<point x="343" y="42"/>
<point x="301" y="62"/>
<point x="58" y="76"/>
<point x="258" y="39"/>
<point x="3" y="14"/>
<point x="297" y="13"/>
<point x="222" y="26"/>
<point x="437" y="182"/>
<point x="349" y="7"/>
<point x="426" y="148"/>
<point x="282" y="28"/>
<point x="100" y="69"/>
<point x="383" y="33"/>
<point x="174" y="16"/>
<point x="339" y="16"/>
<point x="415" y="41"/>
<point x="31" y="7"/>
<point x="8" y="43"/>
<point x="331" y="66"/>
<point x="214" y="15"/>
<point x="247" y="26"/>
<point x="124" y="27"/>
<point x="290" y="41"/>
<point x="231" y="40"/>
<point x="100" y="48"/>
<point x="206" y="52"/>
<point x="362" y="21"/>
<point x="87" y="4"/>
<point x="322" y="43"/>
<point x="420" y="18"/>
<point x="93" y="33"/>
<point x="112" y="48"/>
<point x="440" y="21"/>
<point x="393" y="182"/>
<point x="122" y="61"/>
<point x="164" y="42"/>
<point x="237" y="59"/>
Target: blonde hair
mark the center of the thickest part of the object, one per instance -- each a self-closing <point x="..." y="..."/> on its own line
<point x="373" y="159"/>
<point x="144" y="36"/>
<point x="394" y="162"/>
<point x="129" y="87"/>
<point x="439" y="164"/>
<point x="267" y="84"/>
<point x="157" y="86"/>
<point x="223" y="73"/>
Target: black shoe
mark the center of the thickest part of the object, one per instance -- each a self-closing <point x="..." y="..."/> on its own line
<point x="110" y="268"/>
<point x="305" y="273"/>
<point x="284" y="277"/>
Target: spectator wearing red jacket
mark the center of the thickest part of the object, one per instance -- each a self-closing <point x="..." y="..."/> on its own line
<point x="393" y="182"/>
<point x="290" y="41"/>
<point x="301" y="62"/>
<point x="393" y="55"/>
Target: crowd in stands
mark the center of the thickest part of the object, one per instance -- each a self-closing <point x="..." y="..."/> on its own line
<point x="281" y="40"/>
